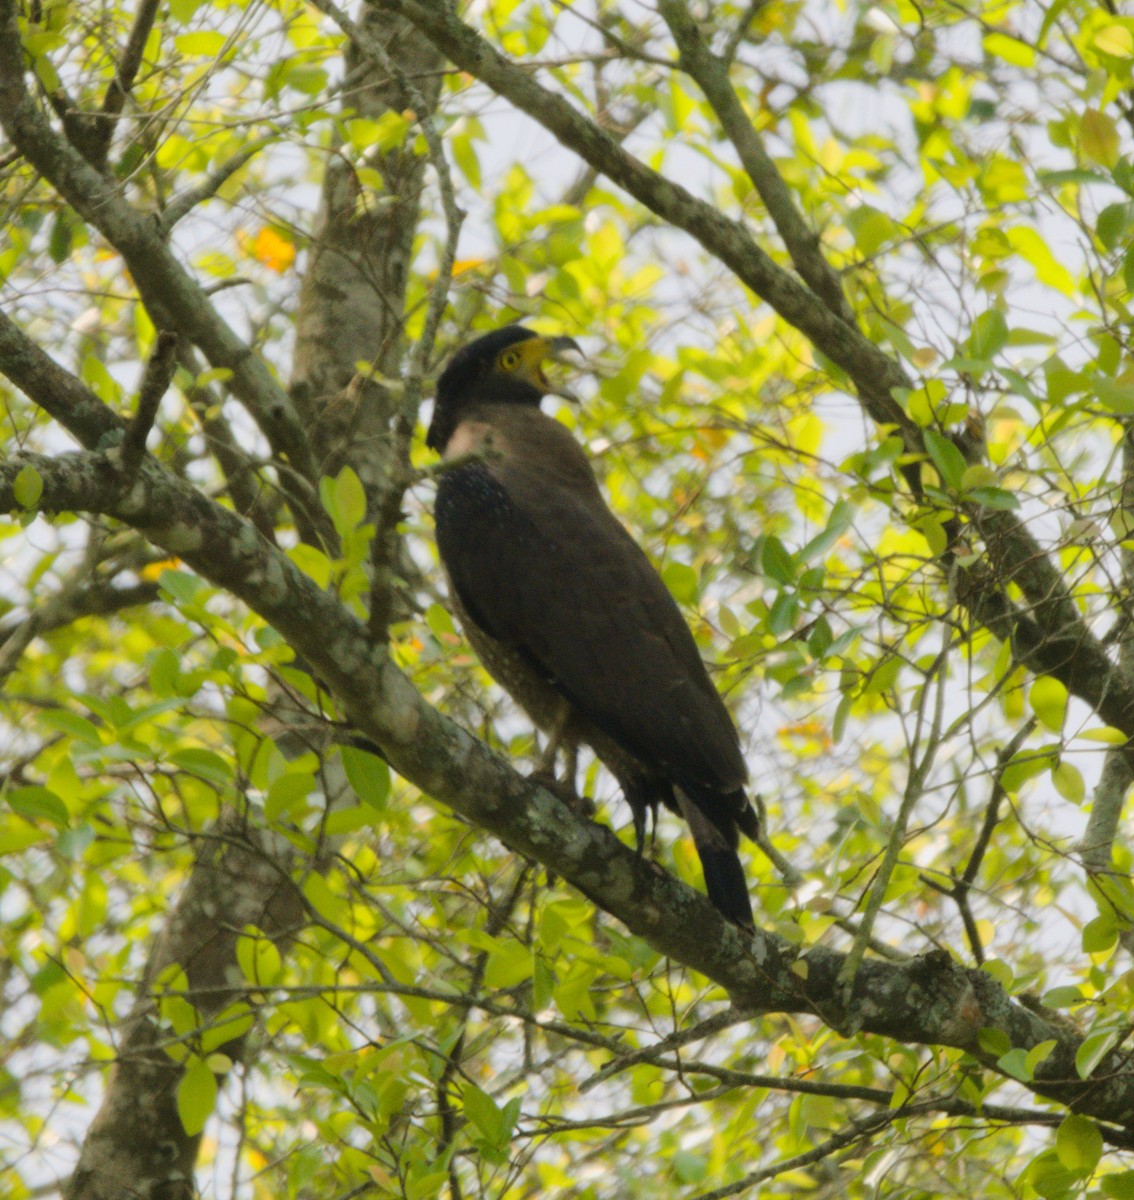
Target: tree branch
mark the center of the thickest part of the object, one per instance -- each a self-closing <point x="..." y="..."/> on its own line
<point x="930" y="999"/>
<point x="711" y="75"/>
<point x="156" y="379"/>
<point x="1056" y="641"/>
<point x="172" y="296"/>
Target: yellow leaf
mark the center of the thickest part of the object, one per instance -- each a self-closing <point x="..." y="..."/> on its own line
<point x="275" y="252"/>
<point x="1115" y="40"/>
<point x="153" y="570"/>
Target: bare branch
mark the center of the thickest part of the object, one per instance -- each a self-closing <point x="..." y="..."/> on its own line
<point x="711" y="75"/>
<point x="155" y="383"/>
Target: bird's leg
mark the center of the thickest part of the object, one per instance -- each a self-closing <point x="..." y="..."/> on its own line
<point x="640" y="812"/>
<point x="558" y="739"/>
<point x="545" y="765"/>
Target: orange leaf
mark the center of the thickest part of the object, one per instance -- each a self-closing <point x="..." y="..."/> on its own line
<point x="274" y="251"/>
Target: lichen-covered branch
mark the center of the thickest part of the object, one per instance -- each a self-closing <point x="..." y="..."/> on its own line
<point x="930" y="999"/>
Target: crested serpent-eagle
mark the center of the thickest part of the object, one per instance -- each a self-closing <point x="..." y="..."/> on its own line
<point x="567" y="613"/>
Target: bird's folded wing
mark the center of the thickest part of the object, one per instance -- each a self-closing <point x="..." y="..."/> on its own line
<point x="550" y="572"/>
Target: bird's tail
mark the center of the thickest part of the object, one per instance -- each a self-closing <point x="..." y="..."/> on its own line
<point x="716" y="847"/>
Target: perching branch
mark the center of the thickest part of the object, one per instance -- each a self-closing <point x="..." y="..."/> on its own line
<point x="930" y="999"/>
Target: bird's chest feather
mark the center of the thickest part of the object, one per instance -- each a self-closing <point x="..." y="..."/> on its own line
<point x="475" y="437"/>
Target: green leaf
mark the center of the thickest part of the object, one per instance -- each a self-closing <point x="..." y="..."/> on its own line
<point x="1098" y="138"/>
<point x="996" y="498"/>
<point x="1050" y="1178"/>
<point x="74" y="724"/>
<point x="368" y="776"/>
<point x="1015" y="1064"/>
<point x="690" y="1168"/>
<point x="1013" y="50"/>
<point x="1100" y="934"/>
<point x="258" y="957"/>
<point x="196" y="1095"/>
<point x="948" y="460"/>
<point x="1048" y="699"/>
<point x="993" y="1041"/>
<point x="1068" y="780"/>
<point x="345" y="500"/>
<point x="775" y="561"/>
<point x="287" y="794"/>
<point x="39" y="804"/>
<point x="1094" y="1049"/>
<point x="1078" y="1144"/>
<point x="989" y="334"/>
<point x="27" y="487"/>
<point x="62" y="237"/>
<point x="683" y="582"/>
<point x="1063" y="997"/>
<point x="313" y="563"/>
<point x="840" y="520"/>
<point x="1038" y="1054"/>
<point x="203" y="44"/>
<point x="1115" y="40"/>
<point x="205" y="764"/>
<point x="1119" y="1186"/>
<point x="483" y="1112"/>
<point x="465" y="156"/>
<point x="1024" y="766"/>
<point x="321" y="898"/>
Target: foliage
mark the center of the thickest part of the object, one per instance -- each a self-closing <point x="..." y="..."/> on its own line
<point x="450" y="1018"/>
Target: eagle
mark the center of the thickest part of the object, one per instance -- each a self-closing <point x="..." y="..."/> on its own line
<point x="568" y="614"/>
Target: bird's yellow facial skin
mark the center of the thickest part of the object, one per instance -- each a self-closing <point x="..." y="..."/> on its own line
<point x="525" y="359"/>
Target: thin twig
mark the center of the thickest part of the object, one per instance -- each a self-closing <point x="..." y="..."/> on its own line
<point x="915" y="787"/>
<point x="679" y="1037"/>
<point x="183" y="203"/>
<point x="959" y="892"/>
<point x="732" y="46"/>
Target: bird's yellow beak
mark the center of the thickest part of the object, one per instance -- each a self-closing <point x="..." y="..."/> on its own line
<point x="538" y="350"/>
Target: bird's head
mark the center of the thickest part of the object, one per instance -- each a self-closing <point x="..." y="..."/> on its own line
<point x="502" y="367"/>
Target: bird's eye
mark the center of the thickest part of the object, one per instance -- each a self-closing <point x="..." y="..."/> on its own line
<point x="510" y="359"/>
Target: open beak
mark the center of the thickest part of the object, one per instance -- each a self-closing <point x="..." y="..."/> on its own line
<point x="564" y="351"/>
